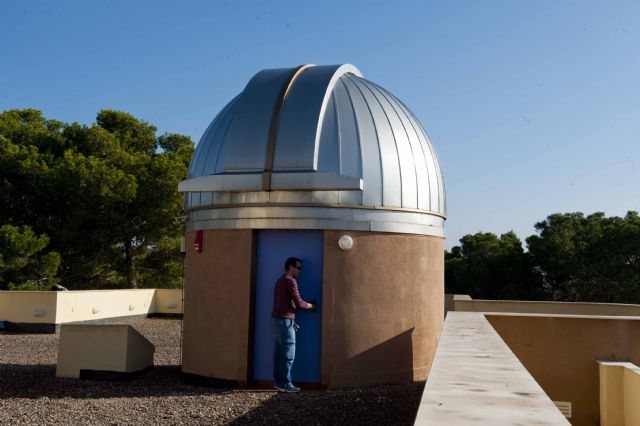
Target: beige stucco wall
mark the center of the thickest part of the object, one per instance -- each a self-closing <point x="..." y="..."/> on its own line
<point x="383" y="304"/>
<point x="383" y="307"/>
<point x="28" y="306"/>
<point x="561" y="353"/>
<point x="167" y="301"/>
<point x="631" y="378"/>
<point x="465" y="303"/>
<point x="611" y="394"/>
<point x="217" y="299"/>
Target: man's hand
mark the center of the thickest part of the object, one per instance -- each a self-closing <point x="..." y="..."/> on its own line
<point x="314" y="305"/>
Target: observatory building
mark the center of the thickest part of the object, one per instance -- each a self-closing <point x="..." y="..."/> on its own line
<point x="318" y="163"/>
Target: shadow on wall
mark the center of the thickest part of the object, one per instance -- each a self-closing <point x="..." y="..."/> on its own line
<point x="389" y="361"/>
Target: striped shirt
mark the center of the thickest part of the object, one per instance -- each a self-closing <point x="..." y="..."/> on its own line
<point x="286" y="298"/>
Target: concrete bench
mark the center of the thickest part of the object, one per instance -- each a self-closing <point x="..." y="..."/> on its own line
<point x="102" y="348"/>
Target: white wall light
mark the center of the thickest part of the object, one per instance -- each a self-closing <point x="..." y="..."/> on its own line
<point x="345" y="242"/>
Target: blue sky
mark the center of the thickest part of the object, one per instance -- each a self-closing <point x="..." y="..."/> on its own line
<point x="533" y="106"/>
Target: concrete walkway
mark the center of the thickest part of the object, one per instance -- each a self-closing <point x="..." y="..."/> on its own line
<point x="476" y="379"/>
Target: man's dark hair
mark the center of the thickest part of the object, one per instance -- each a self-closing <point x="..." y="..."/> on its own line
<point x="291" y="262"/>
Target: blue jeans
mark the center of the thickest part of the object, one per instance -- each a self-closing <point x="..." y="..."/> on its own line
<point x="284" y="351"/>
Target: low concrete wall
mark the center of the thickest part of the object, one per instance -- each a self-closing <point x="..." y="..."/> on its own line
<point x="619" y="393"/>
<point x="28" y="306"/>
<point x="168" y="301"/>
<point x="90" y="305"/>
<point x="51" y="308"/>
<point x="476" y="379"/>
<point x="631" y="378"/>
<point x="562" y="352"/>
<point x="464" y="303"/>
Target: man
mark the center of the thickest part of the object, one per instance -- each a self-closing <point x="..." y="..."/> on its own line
<point x="286" y="299"/>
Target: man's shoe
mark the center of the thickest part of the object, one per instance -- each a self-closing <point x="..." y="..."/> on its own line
<point x="291" y="388"/>
<point x="279" y="388"/>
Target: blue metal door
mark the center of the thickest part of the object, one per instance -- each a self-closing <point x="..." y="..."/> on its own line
<point x="273" y="249"/>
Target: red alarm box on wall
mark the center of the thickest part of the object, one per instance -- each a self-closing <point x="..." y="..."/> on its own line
<point x="198" y="242"/>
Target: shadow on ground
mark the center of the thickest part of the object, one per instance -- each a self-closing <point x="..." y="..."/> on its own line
<point x="376" y="405"/>
<point x="390" y="404"/>
<point x="36" y="381"/>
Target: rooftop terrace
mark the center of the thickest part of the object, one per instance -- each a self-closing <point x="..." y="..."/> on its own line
<point x="497" y="362"/>
<point x="31" y="394"/>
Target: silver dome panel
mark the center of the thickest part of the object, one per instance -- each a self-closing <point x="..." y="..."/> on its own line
<point x="310" y="140"/>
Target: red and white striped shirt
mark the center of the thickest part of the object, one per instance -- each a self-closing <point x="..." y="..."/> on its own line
<point x="286" y="298"/>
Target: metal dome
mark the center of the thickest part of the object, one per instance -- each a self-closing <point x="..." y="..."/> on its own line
<point x="315" y="147"/>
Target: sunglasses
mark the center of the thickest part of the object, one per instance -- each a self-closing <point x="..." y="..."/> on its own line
<point x="299" y="268"/>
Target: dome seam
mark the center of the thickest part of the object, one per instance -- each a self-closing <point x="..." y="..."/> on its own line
<point x="199" y="168"/>
<point x="224" y="134"/>
<point x="352" y="114"/>
<point x="375" y="128"/>
<point x="397" y="107"/>
<point x="395" y="141"/>
<point x="436" y="161"/>
<point x="393" y="131"/>
<point x="424" y="141"/>
<point x="359" y="134"/>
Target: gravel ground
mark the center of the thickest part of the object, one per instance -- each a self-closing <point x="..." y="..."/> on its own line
<point x="31" y="394"/>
